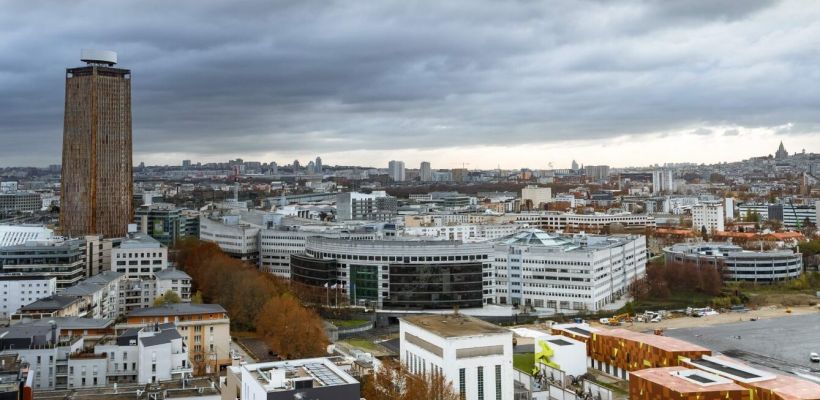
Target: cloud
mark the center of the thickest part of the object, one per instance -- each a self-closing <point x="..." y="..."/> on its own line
<point x="214" y="80"/>
<point x="702" y="131"/>
<point x="731" y="132"/>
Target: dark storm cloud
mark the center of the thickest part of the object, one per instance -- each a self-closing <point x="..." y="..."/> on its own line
<point x="244" y="77"/>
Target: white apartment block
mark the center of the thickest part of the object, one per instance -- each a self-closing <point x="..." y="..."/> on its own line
<point x="139" y="256"/>
<point x="174" y="280"/>
<point x="62" y="361"/>
<point x="563" y="272"/>
<point x="101" y="292"/>
<point x="708" y="215"/>
<point x="20" y="290"/>
<point x="474" y="355"/>
<point x="536" y="195"/>
<point x="396" y="169"/>
<point x="663" y="181"/>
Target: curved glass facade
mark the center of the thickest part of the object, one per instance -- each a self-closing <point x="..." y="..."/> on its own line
<point x="435" y="286"/>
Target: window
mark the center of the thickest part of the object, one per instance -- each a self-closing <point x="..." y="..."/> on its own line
<point x="497" y="382"/>
<point x="480" y="383"/>
<point x="462" y="384"/>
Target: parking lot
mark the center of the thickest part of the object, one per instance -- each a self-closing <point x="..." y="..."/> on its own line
<point x="782" y="344"/>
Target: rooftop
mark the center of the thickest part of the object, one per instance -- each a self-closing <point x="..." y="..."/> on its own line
<point x="685" y="380"/>
<point x="292" y="374"/>
<point x="139" y="241"/>
<point x="178" y="309"/>
<point x="454" y="325"/>
<point x="51" y="303"/>
<point x="171" y="273"/>
<point x="661" y="342"/>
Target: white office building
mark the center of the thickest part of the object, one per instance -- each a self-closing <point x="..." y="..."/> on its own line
<point x="536" y="196"/>
<point x="139" y="256"/>
<point x="14" y="235"/>
<point x="237" y="238"/>
<point x="474" y="355"/>
<point x="708" y="215"/>
<point x="20" y="290"/>
<point x="375" y="206"/>
<point x="564" y="272"/>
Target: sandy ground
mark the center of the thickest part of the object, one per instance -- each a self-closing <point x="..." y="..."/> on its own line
<point x="723" y="318"/>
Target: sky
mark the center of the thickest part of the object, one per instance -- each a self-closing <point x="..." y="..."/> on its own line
<point x="472" y="83"/>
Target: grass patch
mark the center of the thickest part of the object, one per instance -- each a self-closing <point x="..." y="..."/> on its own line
<point x="524" y="362"/>
<point x="362" y="344"/>
<point x="348" y="323"/>
<point x="676" y="300"/>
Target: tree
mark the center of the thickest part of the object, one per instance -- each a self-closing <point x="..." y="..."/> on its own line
<point x="394" y="382"/>
<point x="169" y="297"/>
<point x="290" y="329"/>
<point x="197" y="297"/>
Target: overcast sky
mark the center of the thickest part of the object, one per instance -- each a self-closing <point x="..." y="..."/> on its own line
<point x="481" y="84"/>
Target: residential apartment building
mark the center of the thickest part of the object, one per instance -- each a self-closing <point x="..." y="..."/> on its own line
<point x="139" y="256"/>
<point x="564" y="272"/>
<point x="100" y="293"/>
<point x="396" y="169"/>
<point x="475" y="356"/>
<point x="376" y="206"/>
<point x="663" y="181"/>
<point x="425" y="172"/>
<point x="534" y="197"/>
<point x="709" y="216"/>
<point x="205" y="330"/>
<point x="60" y="359"/>
<point x="20" y="290"/>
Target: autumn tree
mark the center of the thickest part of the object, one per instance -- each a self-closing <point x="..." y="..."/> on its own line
<point x="169" y="297"/>
<point x="393" y="381"/>
<point x="290" y="329"/>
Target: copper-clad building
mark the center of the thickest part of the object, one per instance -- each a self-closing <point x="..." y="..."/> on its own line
<point x="97" y="168"/>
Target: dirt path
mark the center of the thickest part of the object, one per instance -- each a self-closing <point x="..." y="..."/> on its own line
<point x="723" y="318"/>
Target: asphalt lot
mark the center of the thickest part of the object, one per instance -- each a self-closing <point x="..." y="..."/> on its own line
<point x="782" y="344"/>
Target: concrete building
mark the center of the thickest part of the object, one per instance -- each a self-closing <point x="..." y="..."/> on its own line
<point x="13" y="235"/>
<point x="62" y="259"/>
<point x="474" y="355"/>
<point x="376" y="206"/>
<point x="162" y="221"/>
<point x="97" y="178"/>
<point x="204" y="329"/>
<point x="738" y="264"/>
<point x="533" y="197"/>
<point x="62" y="359"/>
<point x="564" y="272"/>
<point x="396" y="274"/>
<point x="174" y="280"/>
<point x="425" y="172"/>
<point x="101" y="294"/>
<point x="235" y="237"/>
<point x="708" y="215"/>
<point x="396" y="169"/>
<point x="15" y="377"/>
<point x="729" y="204"/>
<point x="589" y="223"/>
<point x="663" y="181"/>
<point x="20" y="290"/>
<point x="683" y="383"/>
<point x="19" y="202"/>
<point x="51" y="307"/>
<point x="597" y="173"/>
<point x="139" y="256"/>
<point x="309" y="378"/>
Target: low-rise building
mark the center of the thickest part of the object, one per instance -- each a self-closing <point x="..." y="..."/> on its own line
<point x="60" y="258"/>
<point x="52" y="306"/>
<point x="737" y="264"/>
<point x="683" y="383"/>
<point x="205" y="329"/>
<point x="474" y="355"/>
<point x="310" y="378"/>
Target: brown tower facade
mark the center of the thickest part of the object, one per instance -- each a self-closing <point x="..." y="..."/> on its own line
<point x="97" y="177"/>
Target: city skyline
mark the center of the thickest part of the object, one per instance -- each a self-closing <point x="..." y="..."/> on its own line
<point x="516" y="86"/>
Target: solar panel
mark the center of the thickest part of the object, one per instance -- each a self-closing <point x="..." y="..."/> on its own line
<point x="699" y="378"/>
<point x="326" y="376"/>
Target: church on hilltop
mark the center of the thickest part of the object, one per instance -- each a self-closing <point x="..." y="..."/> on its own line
<point x="781" y="152"/>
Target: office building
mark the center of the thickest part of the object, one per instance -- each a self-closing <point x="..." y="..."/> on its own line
<point x="396" y="274"/>
<point x="738" y="264"/>
<point x="308" y="378"/>
<point x="564" y="272"/>
<point x="396" y="170"/>
<point x="683" y="383"/>
<point x="425" y="173"/>
<point x="97" y="167"/>
<point x="534" y="197"/>
<point x="234" y="236"/>
<point x="589" y="223"/>
<point x="20" y="290"/>
<point x="162" y="221"/>
<point x="19" y="202"/>
<point x="709" y="216"/>
<point x="60" y="258"/>
<point x="13" y="235"/>
<point x="204" y="329"/>
<point x="317" y="166"/>
<point x="475" y="356"/>
<point x="376" y="206"/>
<point x="278" y="244"/>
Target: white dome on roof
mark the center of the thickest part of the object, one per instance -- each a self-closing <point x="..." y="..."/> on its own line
<point x="537" y="237"/>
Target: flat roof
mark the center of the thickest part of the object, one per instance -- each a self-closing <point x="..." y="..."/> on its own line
<point x="454" y="325"/>
<point x="177" y="309"/>
<point x="726" y="369"/>
<point x="685" y="380"/>
<point x="662" y="342"/>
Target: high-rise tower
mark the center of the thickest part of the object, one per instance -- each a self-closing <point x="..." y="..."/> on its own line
<point x="97" y="168"/>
